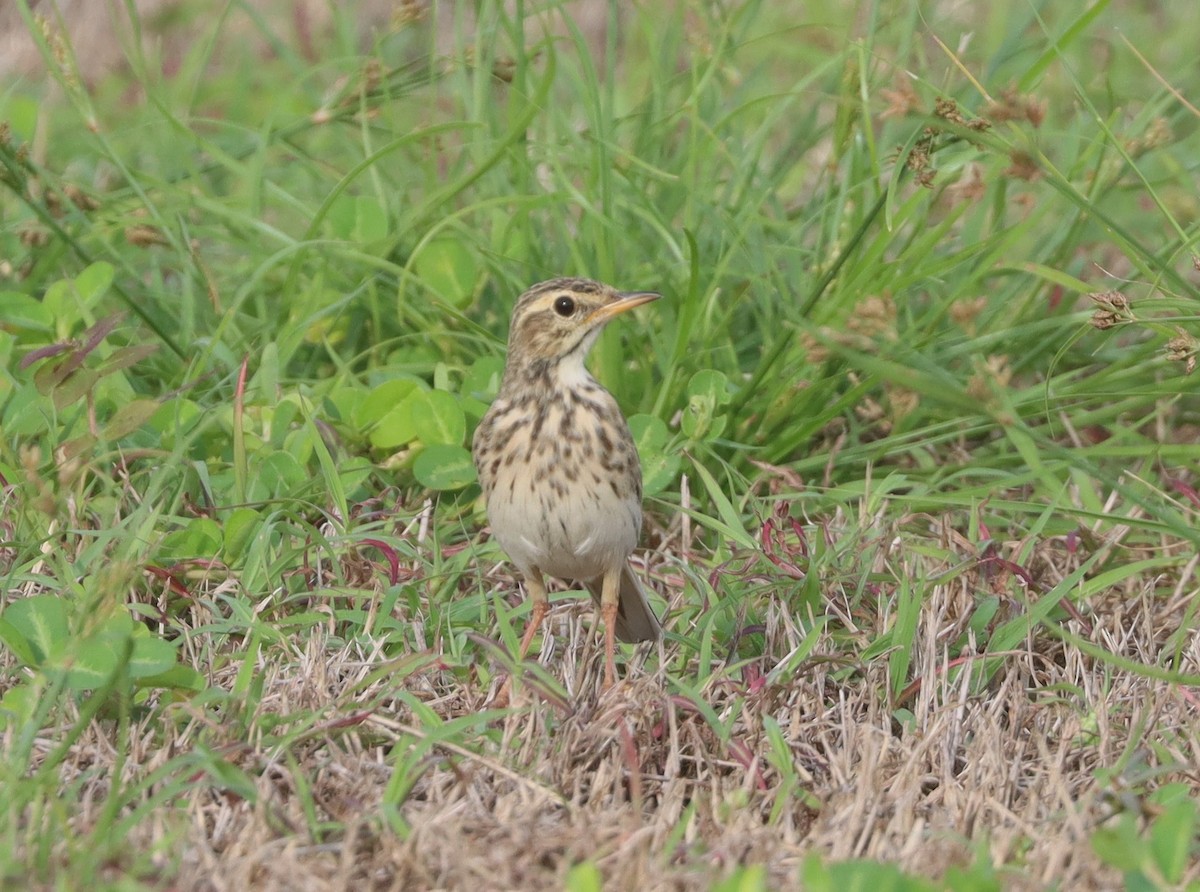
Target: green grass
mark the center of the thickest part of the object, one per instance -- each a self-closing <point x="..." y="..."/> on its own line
<point x="900" y="467"/>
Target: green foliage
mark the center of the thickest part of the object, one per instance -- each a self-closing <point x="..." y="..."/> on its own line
<point x="660" y="460"/>
<point x="1153" y="853"/>
<point x="860" y="875"/>
<point x="584" y="877"/>
<point x="707" y="392"/>
<point x="751" y="878"/>
<point x="444" y="466"/>
<point x="449" y="268"/>
<point x="979" y="876"/>
<point x="40" y="633"/>
<point x="252" y="310"/>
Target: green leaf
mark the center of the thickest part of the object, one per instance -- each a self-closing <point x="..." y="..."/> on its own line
<point x="151" y="655"/>
<point x="73" y="389"/>
<point x="125" y="357"/>
<point x="1169" y="794"/>
<point x="444" y="466"/>
<point x="229" y="777"/>
<point x="200" y="538"/>
<point x="22" y="112"/>
<point x="387" y="414"/>
<point x="354" y="472"/>
<point x="395" y="429"/>
<point x="18" y="705"/>
<point x="854" y="875"/>
<point x="93" y="282"/>
<point x="449" y="268"/>
<point x="1053" y="52"/>
<point x="584" y="877"/>
<point x="384" y="398"/>
<point x="730" y="524"/>
<point x="985" y="611"/>
<point x="25" y="412"/>
<point x="129" y="418"/>
<point x="482" y="379"/>
<point x="342" y="216"/>
<point x="1171" y="837"/>
<point x="241" y="525"/>
<point x="280" y="473"/>
<point x="659" y="467"/>
<point x="370" y="220"/>
<point x="176" y="418"/>
<point x="118" y="641"/>
<point x="20" y="311"/>
<point x="707" y="391"/>
<point x="711" y="384"/>
<point x="182" y="678"/>
<point x="42" y="622"/>
<point x="344" y="403"/>
<point x="63" y="305"/>
<point x="1137" y="881"/>
<point x="18" y="643"/>
<point x="94" y="661"/>
<point x="748" y="878"/>
<point x="1119" y="845"/>
<point x="438" y="417"/>
<point x="299" y="444"/>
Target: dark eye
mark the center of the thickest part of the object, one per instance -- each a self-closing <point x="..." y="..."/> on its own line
<point x="564" y="306"/>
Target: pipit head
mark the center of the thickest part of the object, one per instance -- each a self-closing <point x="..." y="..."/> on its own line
<point x="557" y="322"/>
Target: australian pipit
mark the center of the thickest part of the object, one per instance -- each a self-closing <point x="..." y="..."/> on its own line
<point x="559" y="469"/>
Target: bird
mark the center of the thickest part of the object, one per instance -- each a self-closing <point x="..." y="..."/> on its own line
<point x="560" y="474"/>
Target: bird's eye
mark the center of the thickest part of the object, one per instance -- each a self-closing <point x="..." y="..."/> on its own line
<point x="564" y="306"/>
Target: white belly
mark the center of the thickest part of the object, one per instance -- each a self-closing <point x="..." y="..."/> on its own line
<point x="548" y="474"/>
<point x="569" y="529"/>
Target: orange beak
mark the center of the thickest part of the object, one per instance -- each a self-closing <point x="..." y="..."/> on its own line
<point x="626" y="300"/>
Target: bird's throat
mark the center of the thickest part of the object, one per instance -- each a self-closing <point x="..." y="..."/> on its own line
<point x="570" y="373"/>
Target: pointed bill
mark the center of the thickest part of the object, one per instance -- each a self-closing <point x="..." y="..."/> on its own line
<point x="627" y="300"/>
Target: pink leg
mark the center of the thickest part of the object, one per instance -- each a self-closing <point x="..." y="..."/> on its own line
<point x="537" y="615"/>
<point x="610" y="594"/>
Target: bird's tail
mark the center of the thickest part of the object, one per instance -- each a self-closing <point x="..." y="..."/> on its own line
<point x="636" y="620"/>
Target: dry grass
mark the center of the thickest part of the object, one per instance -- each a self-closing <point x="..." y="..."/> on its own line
<point x="660" y="794"/>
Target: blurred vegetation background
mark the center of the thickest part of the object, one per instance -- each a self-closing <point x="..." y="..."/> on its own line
<point x="918" y="418"/>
